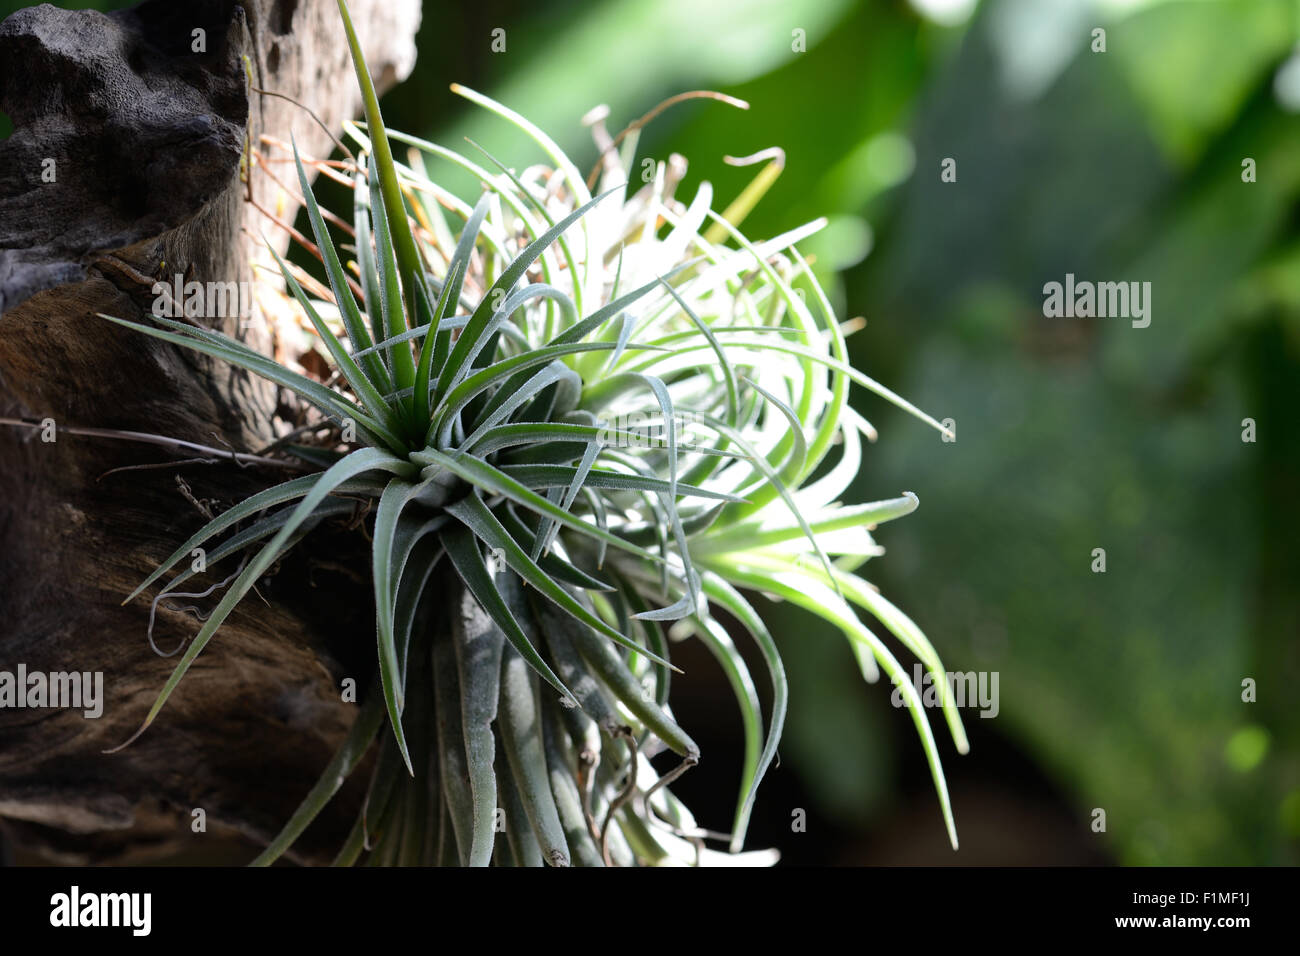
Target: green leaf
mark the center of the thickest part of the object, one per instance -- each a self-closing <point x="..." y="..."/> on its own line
<point x="775" y="479"/>
<point x="802" y="588"/>
<point x="391" y="284"/>
<point x="398" y="227"/>
<point x="538" y="433"/>
<point x="605" y="662"/>
<point x="368" y="269"/>
<point x="540" y="208"/>
<point x="454" y="770"/>
<point x="546" y="528"/>
<point x="254" y="533"/>
<point x="466" y="391"/>
<point x="358" y="463"/>
<point x="564" y="791"/>
<point x="761" y="534"/>
<point x="365" y="726"/>
<point x="587" y="690"/>
<point x="478" y="644"/>
<point x="287" y="491"/>
<point x="524" y="849"/>
<point x="521" y="740"/>
<point x="554" y="376"/>
<point x="209" y="343"/>
<point x="387" y="575"/>
<point x="716" y="639"/>
<point x="560" y="476"/>
<point x="365" y="389"/>
<point x="790" y="470"/>
<point x="477" y="329"/>
<point x="485" y="476"/>
<point x="348" y="311"/>
<point x="550" y="563"/>
<point x="463" y="551"/>
<point x="478" y="518"/>
<point x="435" y="347"/>
<point x="728" y="374"/>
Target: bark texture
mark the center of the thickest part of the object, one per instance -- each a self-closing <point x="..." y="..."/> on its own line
<point x="142" y="135"/>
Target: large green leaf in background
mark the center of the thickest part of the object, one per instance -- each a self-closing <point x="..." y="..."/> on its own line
<point x="1081" y="434"/>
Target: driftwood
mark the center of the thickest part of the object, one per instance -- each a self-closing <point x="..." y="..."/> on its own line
<point x="146" y="138"/>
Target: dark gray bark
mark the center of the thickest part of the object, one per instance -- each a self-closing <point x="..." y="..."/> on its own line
<point x="146" y="138"/>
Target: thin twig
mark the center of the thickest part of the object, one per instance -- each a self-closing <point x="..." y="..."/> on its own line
<point x="155" y="465"/>
<point x="200" y="506"/>
<point x="337" y="142"/>
<point x="296" y="433"/>
<point x="179" y="444"/>
<point x="671" y="101"/>
<point x="153" y="608"/>
<point x="620" y="799"/>
<point x="326" y="214"/>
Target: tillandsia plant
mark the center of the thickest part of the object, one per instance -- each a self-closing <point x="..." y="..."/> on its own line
<point x="586" y="425"/>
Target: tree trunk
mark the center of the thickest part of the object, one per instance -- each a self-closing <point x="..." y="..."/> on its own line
<point x="141" y="122"/>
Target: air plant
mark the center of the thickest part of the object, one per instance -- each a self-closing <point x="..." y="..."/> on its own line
<point x="586" y="425"/>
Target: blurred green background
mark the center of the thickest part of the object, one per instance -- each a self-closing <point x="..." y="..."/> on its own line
<point x="1119" y="691"/>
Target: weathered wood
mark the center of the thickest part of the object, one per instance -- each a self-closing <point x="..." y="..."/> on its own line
<point x="146" y="138"/>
